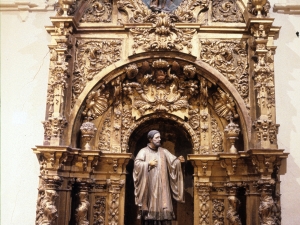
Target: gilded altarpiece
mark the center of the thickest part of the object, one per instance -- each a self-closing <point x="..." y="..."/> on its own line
<point x="200" y="71"/>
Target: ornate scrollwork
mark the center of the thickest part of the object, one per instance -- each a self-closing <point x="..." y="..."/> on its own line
<point x="266" y="129"/>
<point x="226" y="11"/>
<point x="230" y="58"/>
<point x="54" y="127"/>
<point x="91" y="57"/>
<point x="98" y="11"/>
<point x="104" y="138"/>
<point x="160" y="91"/>
<point x="99" y="213"/>
<point x="203" y="190"/>
<point x="163" y="36"/>
<point x="216" y="136"/>
<point x="139" y="12"/>
<point x="218" y="211"/>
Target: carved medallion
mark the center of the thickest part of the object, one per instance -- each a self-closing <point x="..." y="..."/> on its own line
<point x="226" y="11"/>
<point x="98" y="11"/>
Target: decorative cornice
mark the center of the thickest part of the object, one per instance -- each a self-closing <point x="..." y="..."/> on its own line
<point x="287" y="8"/>
<point x="24" y="7"/>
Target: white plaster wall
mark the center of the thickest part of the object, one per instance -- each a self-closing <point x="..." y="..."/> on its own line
<point x="24" y="72"/>
<point x="287" y="83"/>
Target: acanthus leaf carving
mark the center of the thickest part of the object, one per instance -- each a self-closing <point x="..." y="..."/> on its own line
<point x="161" y="91"/>
<point x="98" y="11"/>
<point x="216" y="136"/>
<point x="163" y="36"/>
<point x="218" y="211"/>
<point x="139" y="12"/>
<point x="231" y="59"/>
<point x="92" y="56"/>
<point x="54" y="127"/>
<point x="99" y="210"/>
<point x="203" y="190"/>
<point x="226" y="11"/>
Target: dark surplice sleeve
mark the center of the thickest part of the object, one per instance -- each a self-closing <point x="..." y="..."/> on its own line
<point x="175" y="176"/>
<point x="140" y="178"/>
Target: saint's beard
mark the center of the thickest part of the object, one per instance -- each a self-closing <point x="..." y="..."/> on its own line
<point x="156" y="144"/>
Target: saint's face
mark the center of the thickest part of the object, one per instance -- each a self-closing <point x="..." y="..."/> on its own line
<point x="156" y="139"/>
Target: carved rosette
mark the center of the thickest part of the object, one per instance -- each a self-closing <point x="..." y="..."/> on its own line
<point x="231" y="59"/>
<point x="226" y="11"/>
<point x="203" y="190"/>
<point x="98" y="11"/>
<point x="92" y="56"/>
<point x="163" y="36"/>
<point x="99" y="210"/>
<point x="88" y="130"/>
<point x="218" y="211"/>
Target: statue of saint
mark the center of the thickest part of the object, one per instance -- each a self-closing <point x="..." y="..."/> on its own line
<point x="157" y="175"/>
<point x="162" y="5"/>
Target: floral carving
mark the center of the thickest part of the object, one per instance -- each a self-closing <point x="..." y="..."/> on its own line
<point x="91" y="57"/>
<point x="160" y="91"/>
<point x="162" y="36"/>
<point x="216" y="136"/>
<point x="224" y="104"/>
<point x="203" y="190"/>
<point x="113" y="213"/>
<point x="99" y="213"/>
<point x="98" y="11"/>
<point x="218" y="211"/>
<point x="231" y="59"/>
<point x="226" y="11"/>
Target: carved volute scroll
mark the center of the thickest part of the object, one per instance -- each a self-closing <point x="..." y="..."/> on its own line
<point x="199" y="69"/>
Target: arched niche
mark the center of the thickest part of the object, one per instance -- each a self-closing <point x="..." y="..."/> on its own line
<point x="178" y="141"/>
<point x="113" y="75"/>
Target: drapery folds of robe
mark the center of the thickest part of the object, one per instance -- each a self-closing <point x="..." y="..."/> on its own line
<point x="154" y="186"/>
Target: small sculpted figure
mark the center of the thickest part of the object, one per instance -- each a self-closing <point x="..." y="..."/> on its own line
<point x="162" y="5"/>
<point x="157" y="177"/>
